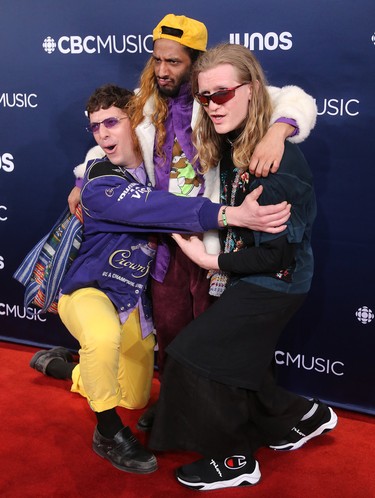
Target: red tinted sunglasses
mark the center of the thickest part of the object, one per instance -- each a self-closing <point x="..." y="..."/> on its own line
<point x="218" y="97"/>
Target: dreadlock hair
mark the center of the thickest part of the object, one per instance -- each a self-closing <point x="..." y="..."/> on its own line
<point x="148" y="88"/>
<point x="206" y="140"/>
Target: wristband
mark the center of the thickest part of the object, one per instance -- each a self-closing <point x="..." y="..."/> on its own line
<point x="224" y="217"/>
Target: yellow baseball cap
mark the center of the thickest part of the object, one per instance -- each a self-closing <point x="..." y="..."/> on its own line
<point x="184" y="30"/>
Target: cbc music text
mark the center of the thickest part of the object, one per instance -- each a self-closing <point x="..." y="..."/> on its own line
<point x="118" y="44"/>
<point x="18" y="311"/>
<point x="320" y="365"/>
<point x="18" y="100"/>
<point x="338" y="107"/>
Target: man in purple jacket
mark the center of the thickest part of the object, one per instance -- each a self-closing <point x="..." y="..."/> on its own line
<point x="104" y="302"/>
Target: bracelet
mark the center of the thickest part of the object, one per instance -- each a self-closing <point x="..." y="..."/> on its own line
<point x="224" y="217"/>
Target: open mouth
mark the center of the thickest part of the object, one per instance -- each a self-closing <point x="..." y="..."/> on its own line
<point x="109" y="148"/>
<point x="216" y="118"/>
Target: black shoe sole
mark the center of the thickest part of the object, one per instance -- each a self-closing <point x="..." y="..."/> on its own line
<point x="250" y="479"/>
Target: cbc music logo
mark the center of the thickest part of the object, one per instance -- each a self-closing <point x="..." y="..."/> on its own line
<point x="17" y="311"/>
<point x="258" y="41"/>
<point x="320" y="365"/>
<point x="2" y="264"/>
<point x="373" y="38"/>
<point x="364" y="315"/>
<point x="49" y="45"/>
<point x="118" y="44"/>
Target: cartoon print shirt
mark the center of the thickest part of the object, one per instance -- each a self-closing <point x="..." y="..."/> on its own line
<point x="183" y="180"/>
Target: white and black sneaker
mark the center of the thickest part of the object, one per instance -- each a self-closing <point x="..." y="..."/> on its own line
<point x="210" y="473"/>
<point x="319" y="420"/>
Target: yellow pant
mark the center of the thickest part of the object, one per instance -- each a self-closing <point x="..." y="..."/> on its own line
<point x="116" y="365"/>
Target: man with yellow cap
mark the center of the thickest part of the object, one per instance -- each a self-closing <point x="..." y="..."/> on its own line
<point x="188" y="32"/>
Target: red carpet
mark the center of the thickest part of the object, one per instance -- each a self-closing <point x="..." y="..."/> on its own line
<point x="46" y="450"/>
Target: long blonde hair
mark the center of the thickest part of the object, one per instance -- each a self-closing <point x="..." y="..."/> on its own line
<point x="148" y="89"/>
<point x="206" y="140"/>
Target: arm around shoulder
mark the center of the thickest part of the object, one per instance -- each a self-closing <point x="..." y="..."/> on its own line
<point x="79" y="172"/>
<point x="293" y="102"/>
<point x="94" y="153"/>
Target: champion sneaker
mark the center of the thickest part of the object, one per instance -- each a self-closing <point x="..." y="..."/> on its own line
<point x="323" y="419"/>
<point x="210" y="473"/>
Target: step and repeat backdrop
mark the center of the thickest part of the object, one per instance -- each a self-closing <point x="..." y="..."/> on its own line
<point x="54" y="54"/>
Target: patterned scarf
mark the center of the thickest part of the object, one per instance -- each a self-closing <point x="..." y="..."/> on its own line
<point x="230" y="188"/>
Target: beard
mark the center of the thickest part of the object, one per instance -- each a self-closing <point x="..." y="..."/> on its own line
<point x="174" y="90"/>
<point x="169" y="92"/>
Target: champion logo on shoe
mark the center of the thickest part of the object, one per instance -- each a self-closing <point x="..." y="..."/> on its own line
<point x="235" y="462"/>
<point x="216" y="467"/>
<point x="318" y="420"/>
<point x="298" y="432"/>
<point x="209" y="473"/>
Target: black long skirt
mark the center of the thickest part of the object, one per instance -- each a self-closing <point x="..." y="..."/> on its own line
<point x="218" y="394"/>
